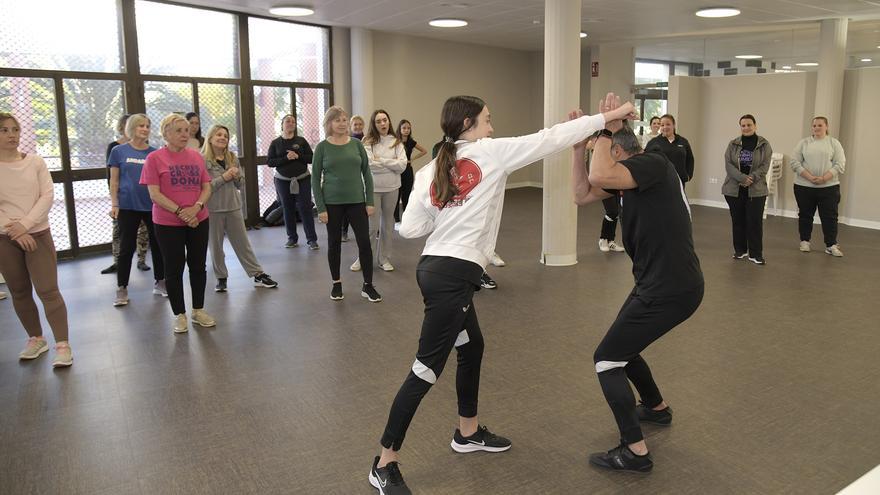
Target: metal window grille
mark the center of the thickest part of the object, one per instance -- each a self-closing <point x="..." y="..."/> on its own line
<point x="93" y="108"/>
<point x="163" y="98"/>
<point x="219" y="104"/>
<point x="32" y="101"/>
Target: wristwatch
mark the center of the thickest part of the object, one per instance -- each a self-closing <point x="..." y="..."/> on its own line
<point x="606" y="133"/>
<point x="201" y="205"/>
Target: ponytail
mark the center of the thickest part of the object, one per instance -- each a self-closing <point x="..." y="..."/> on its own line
<point x="444" y="186"/>
<point x="456" y="110"/>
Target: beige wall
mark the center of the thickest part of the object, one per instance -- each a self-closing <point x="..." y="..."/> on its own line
<point x="858" y="130"/>
<point x="707" y="111"/>
<point x="413" y="77"/>
<point x="341" y="42"/>
<point x="617" y="70"/>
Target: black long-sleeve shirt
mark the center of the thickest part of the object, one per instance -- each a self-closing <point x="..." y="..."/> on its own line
<point x="278" y="156"/>
<point x="678" y="152"/>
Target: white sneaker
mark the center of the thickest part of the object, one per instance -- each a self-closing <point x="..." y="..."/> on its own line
<point x="388" y="267"/>
<point x="497" y="261"/>
<point x="805" y="246"/>
<point x="121" y="297"/>
<point x="63" y="355"/>
<point x="180" y="323"/>
<point x="356" y="266"/>
<point x="35" y="347"/>
<point x="159" y="288"/>
<point x="201" y="318"/>
<point x="614" y="247"/>
<point x="3" y="295"/>
<point x="834" y="250"/>
<point x="396" y="226"/>
<point x="603" y="245"/>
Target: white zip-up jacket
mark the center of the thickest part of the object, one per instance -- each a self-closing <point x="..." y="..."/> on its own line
<point x="467" y="227"/>
<point x="386" y="163"/>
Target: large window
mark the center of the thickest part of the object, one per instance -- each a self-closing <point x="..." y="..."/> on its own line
<point x="32" y="101"/>
<point x="92" y="107"/>
<point x="649" y="72"/>
<point x="281" y="51"/>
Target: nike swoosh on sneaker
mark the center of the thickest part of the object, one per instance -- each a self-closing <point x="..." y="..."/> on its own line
<point x="481" y="442"/>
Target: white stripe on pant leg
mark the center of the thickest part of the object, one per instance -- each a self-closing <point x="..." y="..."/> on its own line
<point x="609" y="218"/>
<point x="424" y="372"/>
<point x="462" y="338"/>
<point x="609" y="365"/>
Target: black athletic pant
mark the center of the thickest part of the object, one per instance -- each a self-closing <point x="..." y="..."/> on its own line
<point x="129" y="221"/>
<point x="609" y="222"/>
<point x="641" y="321"/>
<point x="407" y="178"/>
<point x="450" y="321"/>
<point x="826" y="200"/>
<point x="747" y="218"/>
<point x="184" y="246"/>
<point x="356" y="214"/>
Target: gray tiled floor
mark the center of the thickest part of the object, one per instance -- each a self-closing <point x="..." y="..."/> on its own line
<point x="775" y="381"/>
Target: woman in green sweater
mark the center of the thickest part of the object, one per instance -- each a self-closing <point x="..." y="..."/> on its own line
<point x="343" y="188"/>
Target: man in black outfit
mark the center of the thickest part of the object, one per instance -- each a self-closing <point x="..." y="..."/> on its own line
<point x="656" y="227"/>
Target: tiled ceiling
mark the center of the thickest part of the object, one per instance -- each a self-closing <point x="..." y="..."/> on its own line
<point x="648" y="24"/>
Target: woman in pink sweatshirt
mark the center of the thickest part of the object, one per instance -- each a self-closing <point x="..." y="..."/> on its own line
<point x="27" y="252"/>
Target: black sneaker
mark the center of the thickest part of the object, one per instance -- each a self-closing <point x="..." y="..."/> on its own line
<point x="221" y="285"/>
<point x="336" y="292"/>
<point x="662" y="417"/>
<point x="739" y="256"/>
<point x="486" y="282"/>
<point x="620" y="458"/>
<point x="263" y="280"/>
<point x="109" y="269"/>
<point x="388" y="480"/>
<point x="291" y="244"/>
<point x="758" y="260"/>
<point x="143" y="266"/>
<point x="313" y="245"/>
<point x="483" y="440"/>
<point x="369" y="291"/>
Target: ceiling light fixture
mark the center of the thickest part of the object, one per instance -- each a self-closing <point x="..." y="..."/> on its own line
<point x="786" y="67"/>
<point x="716" y="12"/>
<point x="448" y="23"/>
<point x="291" y="10"/>
<point x="583" y="35"/>
<point x="866" y="60"/>
<point x="749" y="57"/>
<point x="808" y="64"/>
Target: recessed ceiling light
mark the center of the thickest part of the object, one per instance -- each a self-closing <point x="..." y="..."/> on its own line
<point x="866" y="60"/>
<point x="807" y="64"/>
<point x="583" y="34"/>
<point x="291" y="10"/>
<point x="786" y="67"/>
<point x="448" y="23"/>
<point x="716" y="12"/>
<point x="749" y="57"/>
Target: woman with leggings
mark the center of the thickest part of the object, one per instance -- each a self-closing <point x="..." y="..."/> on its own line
<point x="457" y="202"/>
<point x="27" y="252"/>
<point x="612" y="211"/>
<point x="180" y="186"/>
<point x="343" y="188"/>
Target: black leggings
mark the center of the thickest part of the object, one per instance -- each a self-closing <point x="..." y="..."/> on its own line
<point x="356" y="214"/>
<point x="450" y="321"/>
<point x="129" y="221"/>
<point x="826" y="200"/>
<point x="609" y="222"/>
<point x="641" y="321"/>
<point x="407" y="178"/>
<point x="184" y="246"/>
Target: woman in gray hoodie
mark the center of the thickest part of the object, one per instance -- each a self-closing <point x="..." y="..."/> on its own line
<point x="747" y="161"/>
<point x="224" y="206"/>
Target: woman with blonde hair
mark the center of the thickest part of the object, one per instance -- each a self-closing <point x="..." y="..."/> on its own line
<point x="224" y="206"/>
<point x="179" y="187"/>
<point x="343" y="187"/>
<point x="27" y="252"/>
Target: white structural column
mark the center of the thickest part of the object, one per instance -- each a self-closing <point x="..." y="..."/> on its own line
<point x="361" y="72"/>
<point x="832" y="64"/>
<point x="562" y="66"/>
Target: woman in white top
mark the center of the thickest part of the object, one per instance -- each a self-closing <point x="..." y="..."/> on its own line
<point x="387" y="161"/>
<point x="457" y="201"/>
<point x="818" y="161"/>
<point x="655" y="131"/>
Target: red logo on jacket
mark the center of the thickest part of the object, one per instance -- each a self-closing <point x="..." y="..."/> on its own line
<point x="467" y="176"/>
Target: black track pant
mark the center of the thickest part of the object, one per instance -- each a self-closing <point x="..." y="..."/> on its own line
<point x="129" y="222"/>
<point x="356" y="214"/>
<point x="609" y="222"/>
<point x="450" y="321"/>
<point x="184" y="246"/>
<point x="826" y="200"/>
<point x="641" y="321"/>
<point x="407" y="178"/>
<point x="747" y="219"/>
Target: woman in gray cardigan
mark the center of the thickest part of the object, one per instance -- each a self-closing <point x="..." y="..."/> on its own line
<point x="225" y="209"/>
<point x="747" y="161"/>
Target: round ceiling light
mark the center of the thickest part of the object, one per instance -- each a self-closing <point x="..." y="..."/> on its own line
<point x="808" y="64"/>
<point x="749" y="57"/>
<point x="291" y="10"/>
<point x="583" y="35"/>
<point x="448" y="23"/>
<point x="716" y="12"/>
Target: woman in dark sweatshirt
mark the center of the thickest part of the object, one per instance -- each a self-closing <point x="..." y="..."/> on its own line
<point x="676" y="148"/>
<point x="290" y="155"/>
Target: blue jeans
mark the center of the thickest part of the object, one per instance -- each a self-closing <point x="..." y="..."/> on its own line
<point x="302" y="202"/>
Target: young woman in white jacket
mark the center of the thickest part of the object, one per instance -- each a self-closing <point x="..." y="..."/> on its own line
<point x="457" y="200"/>
<point x="387" y="161"/>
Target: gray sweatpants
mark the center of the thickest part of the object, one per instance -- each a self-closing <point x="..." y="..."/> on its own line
<point x="231" y="223"/>
<point x="383" y="222"/>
